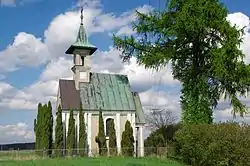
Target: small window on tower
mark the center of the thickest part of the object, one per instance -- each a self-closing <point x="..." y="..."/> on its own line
<point x="82" y="57"/>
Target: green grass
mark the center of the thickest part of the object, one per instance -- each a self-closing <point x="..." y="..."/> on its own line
<point x="118" y="161"/>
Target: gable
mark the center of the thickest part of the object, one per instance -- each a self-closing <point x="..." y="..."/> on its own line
<point x="70" y="98"/>
<point x="107" y="92"/>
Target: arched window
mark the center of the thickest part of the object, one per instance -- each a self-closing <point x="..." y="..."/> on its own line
<point x="108" y="123"/>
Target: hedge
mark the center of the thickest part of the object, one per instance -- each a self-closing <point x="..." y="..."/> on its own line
<point x="223" y="144"/>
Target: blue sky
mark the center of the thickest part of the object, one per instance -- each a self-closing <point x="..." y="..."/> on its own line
<point x="33" y="70"/>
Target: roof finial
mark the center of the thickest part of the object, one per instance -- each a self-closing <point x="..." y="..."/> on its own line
<point x="81" y="16"/>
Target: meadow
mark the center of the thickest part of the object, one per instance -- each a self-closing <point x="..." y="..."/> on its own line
<point x="96" y="161"/>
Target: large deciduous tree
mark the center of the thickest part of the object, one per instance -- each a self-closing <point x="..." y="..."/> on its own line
<point x="160" y="118"/>
<point x="203" y="49"/>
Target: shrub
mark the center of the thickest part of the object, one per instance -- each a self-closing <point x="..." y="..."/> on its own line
<point x="82" y="134"/>
<point x="59" y="144"/>
<point x="71" y="137"/>
<point x="112" y="139"/>
<point x="223" y="144"/>
<point x="127" y="140"/>
<point x="101" y="138"/>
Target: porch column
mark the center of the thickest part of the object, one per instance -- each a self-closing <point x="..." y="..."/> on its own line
<point x="89" y="134"/>
<point x="118" y="132"/>
<point x="141" y="141"/>
<point x="134" y="131"/>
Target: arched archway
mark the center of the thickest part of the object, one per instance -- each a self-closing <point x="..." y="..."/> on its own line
<point x="108" y="123"/>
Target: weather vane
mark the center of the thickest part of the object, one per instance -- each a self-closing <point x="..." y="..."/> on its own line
<point x="82" y="15"/>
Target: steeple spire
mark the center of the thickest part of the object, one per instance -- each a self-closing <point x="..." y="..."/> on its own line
<point x="81" y="16"/>
<point x="82" y="42"/>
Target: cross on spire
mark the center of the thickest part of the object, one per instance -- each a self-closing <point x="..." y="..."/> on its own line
<point x="81" y="16"/>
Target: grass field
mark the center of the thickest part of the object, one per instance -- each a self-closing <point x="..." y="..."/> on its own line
<point x="119" y="161"/>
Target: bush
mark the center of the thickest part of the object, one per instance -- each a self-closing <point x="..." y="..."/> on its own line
<point x="127" y="140"/>
<point x="224" y="144"/>
<point x="112" y="139"/>
<point x="101" y="138"/>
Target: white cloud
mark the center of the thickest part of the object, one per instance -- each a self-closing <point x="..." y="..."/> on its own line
<point x="7" y="2"/>
<point x="2" y="77"/>
<point x="26" y="50"/>
<point x="16" y="133"/>
<point x="46" y="88"/>
<point x="56" y="41"/>
<point x="226" y="115"/>
<point x="126" y="30"/>
<point x="242" y="21"/>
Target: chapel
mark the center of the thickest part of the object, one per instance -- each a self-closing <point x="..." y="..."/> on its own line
<point x="109" y="93"/>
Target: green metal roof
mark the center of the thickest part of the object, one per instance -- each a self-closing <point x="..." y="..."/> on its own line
<point x="108" y="92"/>
<point x="139" y="115"/>
<point x="81" y="42"/>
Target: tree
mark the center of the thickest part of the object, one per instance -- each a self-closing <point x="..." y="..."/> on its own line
<point x="203" y="49"/>
<point x="71" y="137"/>
<point x="82" y="133"/>
<point x="160" y="118"/>
<point x="42" y="125"/>
<point x="127" y="140"/>
<point x="112" y="139"/>
<point x="37" y="127"/>
<point x="100" y="138"/>
<point x="49" y="128"/>
<point x="59" y="133"/>
<point x="162" y="136"/>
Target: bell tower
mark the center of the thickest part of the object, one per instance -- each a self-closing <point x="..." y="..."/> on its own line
<point x="81" y="50"/>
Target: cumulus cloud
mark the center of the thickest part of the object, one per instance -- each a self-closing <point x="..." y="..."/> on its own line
<point x="15" y="133"/>
<point x="241" y="20"/>
<point x="29" y="50"/>
<point x="7" y="2"/>
<point x="26" y="50"/>
<point x="51" y="51"/>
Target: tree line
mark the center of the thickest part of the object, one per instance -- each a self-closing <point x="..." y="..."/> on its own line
<point x="46" y="145"/>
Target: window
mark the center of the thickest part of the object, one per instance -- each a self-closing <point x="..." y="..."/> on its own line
<point x="74" y="59"/>
<point x="108" y="123"/>
<point x="82" y="58"/>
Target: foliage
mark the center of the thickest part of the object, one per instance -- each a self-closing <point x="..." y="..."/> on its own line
<point x="48" y="124"/>
<point x="59" y="132"/>
<point x="160" y="118"/>
<point x="71" y="137"/>
<point x="203" y="49"/>
<point x="82" y="133"/>
<point x="224" y="144"/>
<point x="162" y="136"/>
<point x="127" y="140"/>
<point x="43" y="128"/>
<point x="112" y="139"/>
<point x="37" y="127"/>
<point x="100" y="138"/>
